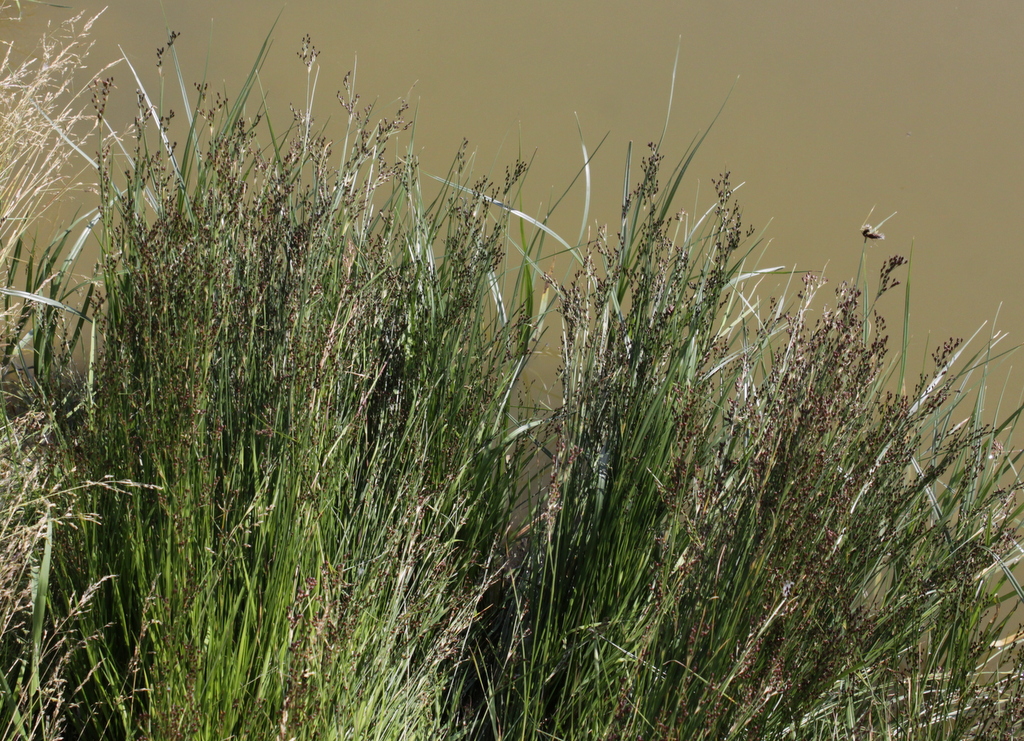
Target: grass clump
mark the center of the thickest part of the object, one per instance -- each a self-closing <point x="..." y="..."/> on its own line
<point x="747" y="534"/>
<point x="304" y="439"/>
<point x="316" y="402"/>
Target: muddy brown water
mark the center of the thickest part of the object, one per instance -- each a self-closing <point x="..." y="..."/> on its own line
<point x="836" y="108"/>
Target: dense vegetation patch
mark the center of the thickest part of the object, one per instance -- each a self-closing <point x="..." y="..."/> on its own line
<point x="302" y="491"/>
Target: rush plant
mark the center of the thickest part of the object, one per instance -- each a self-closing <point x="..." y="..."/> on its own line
<point x="308" y="371"/>
<point x="748" y="531"/>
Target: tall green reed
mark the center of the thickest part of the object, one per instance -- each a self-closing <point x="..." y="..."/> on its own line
<point x="747" y="533"/>
<point x="305" y="370"/>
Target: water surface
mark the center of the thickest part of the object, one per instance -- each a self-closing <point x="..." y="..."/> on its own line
<point x="836" y="109"/>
